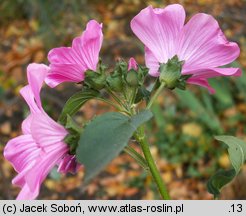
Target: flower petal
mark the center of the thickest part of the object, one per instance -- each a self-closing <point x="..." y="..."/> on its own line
<point x="20" y="180"/>
<point x="20" y="151"/>
<point x="214" y="72"/>
<point x="38" y="173"/>
<point x="26" y="125"/>
<point x="68" y="164"/>
<point x="159" y="29"/>
<point x="65" y="73"/>
<point x="36" y="74"/>
<point x="152" y="63"/>
<point x="65" y="66"/>
<point x="88" y="45"/>
<point x="64" y="55"/>
<point x="46" y="132"/>
<point x="201" y="82"/>
<point x="68" y="64"/>
<point x="132" y="64"/>
<point x="26" y="194"/>
<point x="28" y="95"/>
<point x="203" y="45"/>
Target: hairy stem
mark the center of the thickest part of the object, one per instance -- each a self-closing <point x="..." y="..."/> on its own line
<point x="139" y="158"/>
<point x="141" y="138"/>
<point x="110" y="92"/>
<point x="109" y="102"/>
<point x="156" y="94"/>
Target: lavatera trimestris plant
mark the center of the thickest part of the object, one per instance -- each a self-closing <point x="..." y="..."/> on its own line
<point x="176" y="54"/>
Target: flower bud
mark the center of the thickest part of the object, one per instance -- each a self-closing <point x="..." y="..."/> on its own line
<point x="142" y="94"/>
<point x="142" y="72"/>
<point x="132" y="78"/>
<point x="95" y="80"/>
<point x="170" y="72"/>
<point x="115" y="82"/>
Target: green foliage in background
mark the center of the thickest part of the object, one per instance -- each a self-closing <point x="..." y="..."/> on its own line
<point x="53" y="17"/>
<point x="207" y="112"/>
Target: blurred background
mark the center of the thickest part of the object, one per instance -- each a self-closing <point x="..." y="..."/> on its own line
<point x="185" y="121"/>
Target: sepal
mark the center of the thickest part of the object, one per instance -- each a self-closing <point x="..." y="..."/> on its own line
<point x="72" y="138"/>
<point x="170" y="72"/>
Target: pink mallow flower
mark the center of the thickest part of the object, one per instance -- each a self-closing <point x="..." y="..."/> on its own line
<point x="41" y="146"/>
<point x="200" y="43"/>
<point x="69" y="64"/>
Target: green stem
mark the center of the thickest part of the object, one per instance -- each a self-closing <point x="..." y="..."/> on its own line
<point x="109" y="102"/>
<point x="141" y="138"/>
<point x="115" y="97"/>
<point x="154" y="97"/>
<point x="114" y="105"/>
<point x="134" y="94"/>
<point x="138" y="157"/>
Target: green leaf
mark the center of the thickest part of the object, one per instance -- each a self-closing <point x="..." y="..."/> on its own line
<point x="236" y="150"/>
<point x="219" y="180"/>
<point x="104" y="138"/>
<point x="75" y="102"/>
<point x="237" y="155"/>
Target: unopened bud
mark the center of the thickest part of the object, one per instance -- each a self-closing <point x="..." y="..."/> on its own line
<point x="132" y="78"/>
<point x="115" y="82"/>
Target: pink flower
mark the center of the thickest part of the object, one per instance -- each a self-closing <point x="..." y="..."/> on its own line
<point x="69" y="64"/>
<point x="132" y="64"/>
<point x="41" y="146"/>
<point x="200" y="43"/>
